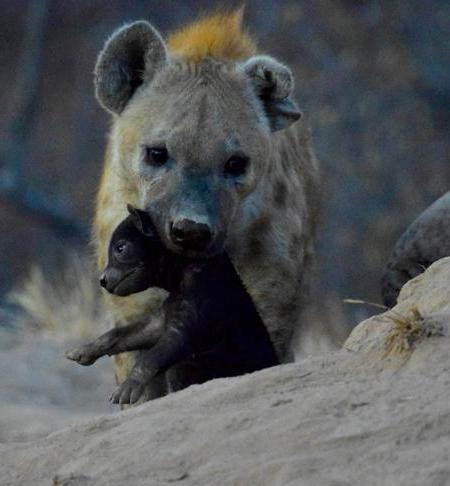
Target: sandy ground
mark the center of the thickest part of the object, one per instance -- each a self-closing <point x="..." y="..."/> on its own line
<point x="41" y="391"/>
<point x="365" y="414"/>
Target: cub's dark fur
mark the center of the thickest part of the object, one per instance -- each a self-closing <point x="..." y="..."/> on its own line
<point x="212" y="328"/>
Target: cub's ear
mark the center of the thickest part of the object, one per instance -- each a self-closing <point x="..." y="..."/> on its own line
<point x="142" y="221"/>
<point x="131" y="57"/>
<point x="273" y="83"/>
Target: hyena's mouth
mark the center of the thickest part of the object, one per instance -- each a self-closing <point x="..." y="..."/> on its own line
<point x="194" y="254"/>
<point x="214" y="248"/>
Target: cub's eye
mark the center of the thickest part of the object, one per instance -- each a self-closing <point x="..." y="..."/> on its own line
<point x="156" y="156"/>
<point x="121" y="247"/>
<point x="125" y="252"/>
<point x="236" y="166"/>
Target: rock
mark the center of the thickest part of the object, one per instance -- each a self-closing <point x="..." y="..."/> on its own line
<point x="365" y="414"/>
<point x="429" y="294"/>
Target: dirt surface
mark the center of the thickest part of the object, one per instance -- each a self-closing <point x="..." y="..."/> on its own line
<point x="41" y="391"/>
<point x="366" y="414"/>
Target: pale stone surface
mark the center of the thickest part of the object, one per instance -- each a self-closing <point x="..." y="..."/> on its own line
<point x="349" y="417"/>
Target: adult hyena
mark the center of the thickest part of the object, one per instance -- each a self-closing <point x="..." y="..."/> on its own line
<point x="206" y="137"/>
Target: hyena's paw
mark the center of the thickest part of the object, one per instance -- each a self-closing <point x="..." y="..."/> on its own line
<point x="128" y="392"/>
<point x="84" y="355"/>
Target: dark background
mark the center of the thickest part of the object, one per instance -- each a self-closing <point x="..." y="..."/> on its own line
<point x="372" y="78"/>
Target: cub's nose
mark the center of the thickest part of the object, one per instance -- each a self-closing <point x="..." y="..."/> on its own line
<point x="190" y="235"/>
<point x="103" y="281"/>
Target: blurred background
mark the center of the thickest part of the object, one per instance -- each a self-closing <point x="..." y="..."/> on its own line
<point x="372" y="77"/>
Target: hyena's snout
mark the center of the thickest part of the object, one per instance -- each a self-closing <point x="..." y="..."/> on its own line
<point x="190" y="235"/>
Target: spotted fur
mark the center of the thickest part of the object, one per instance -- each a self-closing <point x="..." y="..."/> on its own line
<point x="426" y="240"/>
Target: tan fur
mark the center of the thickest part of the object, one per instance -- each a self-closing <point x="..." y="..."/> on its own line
<point x="220" y="36"/>
<point x="271" y="230"/>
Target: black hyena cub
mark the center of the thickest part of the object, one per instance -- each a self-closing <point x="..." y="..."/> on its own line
<point x="211" y="327"/>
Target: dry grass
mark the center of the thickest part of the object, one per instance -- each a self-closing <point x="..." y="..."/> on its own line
<point x="411" y="329"/>
<point x="408" y="330"/>
<point x="406" y="333"/>
<point x="68" y="306"/>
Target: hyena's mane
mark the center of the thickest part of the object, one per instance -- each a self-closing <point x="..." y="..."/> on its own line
<point x="221" y="36"/>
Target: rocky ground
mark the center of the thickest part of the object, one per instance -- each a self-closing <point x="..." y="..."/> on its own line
<point x="375" y="412"/>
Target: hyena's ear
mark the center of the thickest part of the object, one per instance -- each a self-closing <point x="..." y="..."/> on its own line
<point x="142" y="221"/>
<point x="131" y="57"/>
<point x="273" y="84"/>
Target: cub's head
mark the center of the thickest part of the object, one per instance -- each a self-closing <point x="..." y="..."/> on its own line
<point x="134" y="256"/>
<point x="191" y="136"/>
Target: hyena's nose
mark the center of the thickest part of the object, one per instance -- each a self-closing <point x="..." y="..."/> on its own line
<point x="103" y="281"/>
<point x="190" y="234"/>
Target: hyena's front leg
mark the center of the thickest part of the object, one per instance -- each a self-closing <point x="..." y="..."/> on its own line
<point x="139" y="335"/>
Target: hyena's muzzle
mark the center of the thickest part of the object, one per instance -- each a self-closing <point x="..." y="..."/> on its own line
<point x="194" y="218"/>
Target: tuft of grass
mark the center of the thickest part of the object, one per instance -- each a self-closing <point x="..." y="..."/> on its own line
<point x="408" y="330"/>
<point x="406" y="333"/>
<point x="68" y="305"/>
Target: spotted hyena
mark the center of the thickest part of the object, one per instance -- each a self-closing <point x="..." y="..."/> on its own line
<point x="207" y="138"/>
<point x="426" y="240"/>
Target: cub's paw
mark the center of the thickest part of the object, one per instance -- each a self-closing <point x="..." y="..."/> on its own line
<point x="83" y="355"/>
<point x="128" y="392"/>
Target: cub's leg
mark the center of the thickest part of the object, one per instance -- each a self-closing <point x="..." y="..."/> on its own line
<point x="118" y="340"/>
<point x="171" y="348"/>
<point x="186" y="373"/>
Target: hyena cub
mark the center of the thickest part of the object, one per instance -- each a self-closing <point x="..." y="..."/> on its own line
<point x="211" y="327"/>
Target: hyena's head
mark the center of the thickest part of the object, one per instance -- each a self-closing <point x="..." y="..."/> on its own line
<point x="193" y="136"/>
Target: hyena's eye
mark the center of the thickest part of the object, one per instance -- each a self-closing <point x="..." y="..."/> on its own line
<point x="236" y="165"/>
<point x="156" y="156"/>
